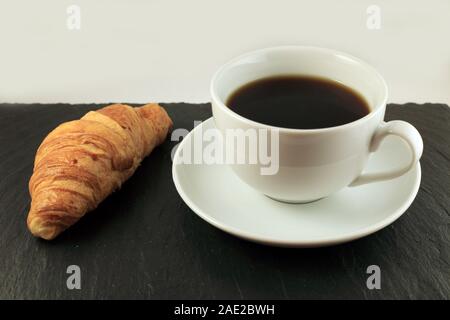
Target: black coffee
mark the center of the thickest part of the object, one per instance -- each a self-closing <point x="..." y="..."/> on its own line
<point x="298" y="102"/>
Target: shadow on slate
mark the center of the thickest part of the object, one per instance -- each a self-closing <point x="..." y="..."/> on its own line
<point x="143" y="242"/>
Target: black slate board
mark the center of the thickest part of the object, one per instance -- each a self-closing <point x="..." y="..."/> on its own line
<point x="143" y="242"/>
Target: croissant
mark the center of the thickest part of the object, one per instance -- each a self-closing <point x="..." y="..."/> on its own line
<point x="81" y="162"/>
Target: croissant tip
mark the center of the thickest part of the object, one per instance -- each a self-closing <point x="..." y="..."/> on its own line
<point x="157" y="113"/>
<point x="45" y="232"/>
<point x="48" y="235"/>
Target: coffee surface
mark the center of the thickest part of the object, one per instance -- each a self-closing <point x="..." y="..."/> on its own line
<point x="298" y="102"/>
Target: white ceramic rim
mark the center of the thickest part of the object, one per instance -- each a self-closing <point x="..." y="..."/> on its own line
<point x="288" y="243"/>
<point x="368" y="67"/>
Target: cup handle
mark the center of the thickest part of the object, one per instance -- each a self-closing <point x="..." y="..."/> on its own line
<point x="405" y="131"/>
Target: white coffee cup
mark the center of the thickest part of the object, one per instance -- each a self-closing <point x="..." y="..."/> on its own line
<point x="313" y="163"/>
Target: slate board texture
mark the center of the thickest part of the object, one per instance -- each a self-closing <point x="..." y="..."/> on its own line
<point x="143" y="242"/>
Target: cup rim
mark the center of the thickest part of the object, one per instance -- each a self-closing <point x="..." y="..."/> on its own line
<point x="373" y="110"/>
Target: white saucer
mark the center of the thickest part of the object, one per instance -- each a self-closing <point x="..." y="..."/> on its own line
<point x="219" y="197"/>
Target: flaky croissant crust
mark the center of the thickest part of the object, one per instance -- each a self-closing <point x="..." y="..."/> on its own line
<point x="81" y="162"/>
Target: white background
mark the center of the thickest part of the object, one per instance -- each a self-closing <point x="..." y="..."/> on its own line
<point x="167" y="51"/>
